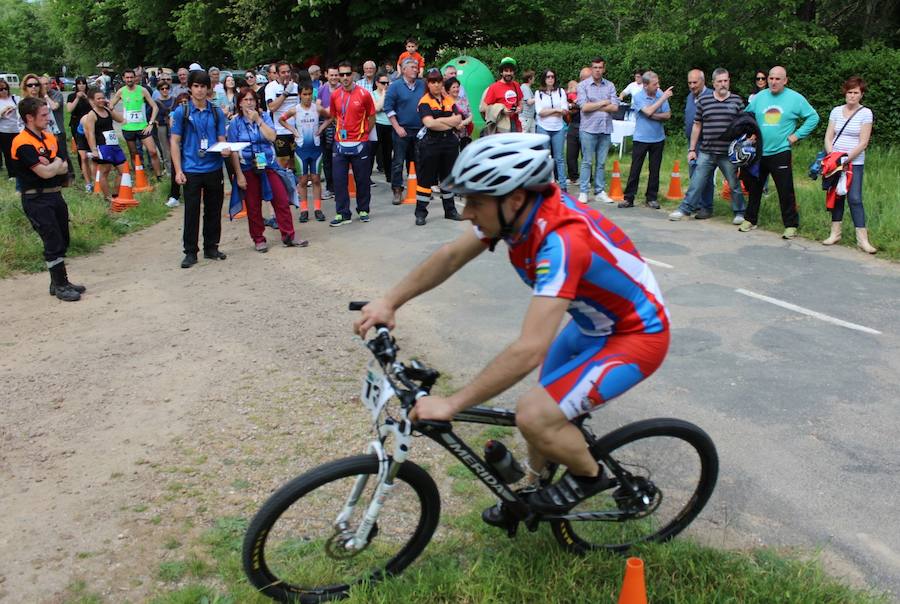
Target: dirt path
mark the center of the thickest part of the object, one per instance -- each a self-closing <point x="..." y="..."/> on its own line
<point x="134" y="417"/>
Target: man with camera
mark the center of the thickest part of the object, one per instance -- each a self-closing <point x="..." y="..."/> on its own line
<point x="281" y="96"/>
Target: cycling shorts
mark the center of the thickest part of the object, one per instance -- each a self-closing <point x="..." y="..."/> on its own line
<point x="583" y="372"/>
<point x="310" y="160"/>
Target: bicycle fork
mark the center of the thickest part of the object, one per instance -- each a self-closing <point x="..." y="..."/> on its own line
<point x="388" y="467"/>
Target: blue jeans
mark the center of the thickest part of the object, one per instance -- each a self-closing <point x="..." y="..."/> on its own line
<point x="593" y="146"/>
<point x="557" y="142"/>
<point x="701" y="177"/>
<point x="404" y="151"/>
<point x="854" y="198"/>
<point x="706" y="194"/>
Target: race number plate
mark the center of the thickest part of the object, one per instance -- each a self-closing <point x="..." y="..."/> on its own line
<point x="134" y="117"/>
<point x="376" y="389"/>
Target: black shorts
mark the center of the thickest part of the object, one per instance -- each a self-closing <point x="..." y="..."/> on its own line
<point x="81" y="142"/>
<point x="284" y="145"/>
<point x="134" y="135"/>
<point x="436" y="155"/>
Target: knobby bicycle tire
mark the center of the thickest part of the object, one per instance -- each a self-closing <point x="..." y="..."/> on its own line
<point x="625" y="446"/>
<point x="258" y="545"/>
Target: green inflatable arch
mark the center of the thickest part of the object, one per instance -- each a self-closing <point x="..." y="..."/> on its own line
<point x="475" y="77"/>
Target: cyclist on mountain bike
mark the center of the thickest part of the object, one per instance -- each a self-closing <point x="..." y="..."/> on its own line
<point x="577" y="261"/>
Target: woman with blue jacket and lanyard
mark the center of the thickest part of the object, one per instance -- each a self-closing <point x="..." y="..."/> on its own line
<point x="254" y="161"/>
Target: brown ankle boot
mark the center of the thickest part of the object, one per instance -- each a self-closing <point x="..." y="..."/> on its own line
<point x="835" y="234"/>
<point x="862" y="241"/>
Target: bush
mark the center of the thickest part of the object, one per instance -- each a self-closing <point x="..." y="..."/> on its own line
<point x="816" y="75"/>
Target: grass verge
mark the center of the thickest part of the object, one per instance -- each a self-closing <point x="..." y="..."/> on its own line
<point x="91" y="225"/>
<point x="471" y="562"/>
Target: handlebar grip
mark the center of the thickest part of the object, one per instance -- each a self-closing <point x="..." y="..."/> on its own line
<point x="358" y="305"/>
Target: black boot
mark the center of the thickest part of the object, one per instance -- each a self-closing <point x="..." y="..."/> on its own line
<point x="450" y="212"/>
<point x="60" y="286"/>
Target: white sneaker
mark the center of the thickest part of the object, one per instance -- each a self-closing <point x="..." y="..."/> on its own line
<point x="172" y="203"/>
<point x="738" y="219"/>
<point x="602" y="196"/>
<point x="582" y="198"/>
<point x="677" y="215"/>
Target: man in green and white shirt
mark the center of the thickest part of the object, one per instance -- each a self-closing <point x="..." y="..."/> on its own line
<point x="137" y="126"/>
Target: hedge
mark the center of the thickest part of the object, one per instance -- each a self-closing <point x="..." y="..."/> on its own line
<point x="818" y="76"/>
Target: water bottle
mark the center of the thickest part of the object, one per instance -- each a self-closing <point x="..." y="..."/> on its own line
<point x="503" y="462"/>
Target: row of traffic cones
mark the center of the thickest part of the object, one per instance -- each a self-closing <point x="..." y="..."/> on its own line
<point x="411" y="184"/>
<point x="615" y="184"/>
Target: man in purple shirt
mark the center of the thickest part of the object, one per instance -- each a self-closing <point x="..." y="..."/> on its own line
<point x="597" y="99"/>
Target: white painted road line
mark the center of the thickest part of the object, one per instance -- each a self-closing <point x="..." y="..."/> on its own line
<point x="657" y="263"/>
<point x="806" y="311"/>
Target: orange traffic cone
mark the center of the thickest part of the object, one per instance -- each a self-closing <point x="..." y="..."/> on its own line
<point x="615" y="185"/>
<point x="675" y="193"/>
<point x="726" y="190"/>
<point x="411" y="184"/>
<point x="125" y="199"/>
<point x="351" y="183"/>
<point x="141" y="184"/>
<point x="97" y="189"/>
<point x="634" y="591"/>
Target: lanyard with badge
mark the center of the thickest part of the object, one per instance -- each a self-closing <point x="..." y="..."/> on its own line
<point x="259" y="157"/>
<point x="204" y="134"/>
<point x="343" y="133"/>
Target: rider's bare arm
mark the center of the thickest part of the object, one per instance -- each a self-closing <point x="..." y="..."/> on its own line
<point x="539" y="329"/>
<point x="436" y="269"/>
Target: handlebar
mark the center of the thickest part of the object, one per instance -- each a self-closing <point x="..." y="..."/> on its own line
<point x="384" y="348"/>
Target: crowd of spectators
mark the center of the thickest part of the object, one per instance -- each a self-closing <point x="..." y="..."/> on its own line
<point x="298" y="137"/>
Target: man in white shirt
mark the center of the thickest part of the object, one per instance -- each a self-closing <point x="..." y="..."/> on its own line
<point x="281" y="96"/>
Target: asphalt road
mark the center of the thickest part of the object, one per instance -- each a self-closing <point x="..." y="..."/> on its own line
<point x="802" y="407"/>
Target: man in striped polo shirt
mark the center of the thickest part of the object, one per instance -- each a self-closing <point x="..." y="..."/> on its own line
<point x="715" y="113"/>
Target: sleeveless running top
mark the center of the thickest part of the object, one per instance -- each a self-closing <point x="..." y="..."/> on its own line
<point x="104" y="131"/>
<point x="133" y="102"/>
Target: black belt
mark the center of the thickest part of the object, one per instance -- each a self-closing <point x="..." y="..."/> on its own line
<point x="39" y="191"/>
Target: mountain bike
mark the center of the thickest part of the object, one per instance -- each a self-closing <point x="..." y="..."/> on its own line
<point x="364" y="518"/>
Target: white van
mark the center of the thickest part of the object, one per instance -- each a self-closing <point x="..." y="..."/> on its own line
<point x="11" y="79"/>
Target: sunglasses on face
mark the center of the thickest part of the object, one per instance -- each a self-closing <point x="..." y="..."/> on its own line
<point x="760" y="78"/>
<point x="385" y="83"/>
<point x="345" y="74"/>
<point x="32" y="85"/>
<point x="163" y="87"/>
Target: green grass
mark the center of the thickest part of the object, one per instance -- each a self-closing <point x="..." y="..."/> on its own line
<point x="882" y="181"/>
<point x="472" y="562"/>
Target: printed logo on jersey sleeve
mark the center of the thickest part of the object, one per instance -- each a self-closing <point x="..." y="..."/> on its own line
<point x="551" y="274"/>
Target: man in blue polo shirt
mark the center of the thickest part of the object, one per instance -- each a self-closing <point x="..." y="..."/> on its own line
<point x="401" y="105"/>
<point x="651" y="106"/>
<point x="198" y="170"/>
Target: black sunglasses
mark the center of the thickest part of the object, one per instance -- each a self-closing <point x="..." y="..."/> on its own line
<point x="345" y="73"/>
<point x="163" y="88"/>
<point x="385" y="82"/>
<point x="33" y="85"/>
<point x="760" y="78"/>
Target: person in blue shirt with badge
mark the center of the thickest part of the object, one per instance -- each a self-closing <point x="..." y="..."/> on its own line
<point x="196" y="126"/>
<point x="255" y="168"/>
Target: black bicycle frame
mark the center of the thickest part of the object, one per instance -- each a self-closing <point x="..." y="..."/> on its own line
<point x="442" y="433"/>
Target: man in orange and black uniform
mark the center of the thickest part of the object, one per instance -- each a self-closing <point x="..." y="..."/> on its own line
<point x="41" y="174"/>
<point x="438" y="148"/>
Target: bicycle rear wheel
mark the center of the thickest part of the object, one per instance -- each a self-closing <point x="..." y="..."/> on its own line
<point x="673" y="466"/>
<point x="293" y="550"/>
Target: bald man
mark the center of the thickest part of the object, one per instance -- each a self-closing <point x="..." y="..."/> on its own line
<point x="778" y="110"/>
<point x="697" y="88"/>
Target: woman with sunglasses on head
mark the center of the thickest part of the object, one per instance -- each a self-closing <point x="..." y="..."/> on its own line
<point x="10" y="125"/>
<point x="254" y="166"/>
<point x="551" y="106"/>
<point x="384" y="146"/>
<point x="78" y="105"/>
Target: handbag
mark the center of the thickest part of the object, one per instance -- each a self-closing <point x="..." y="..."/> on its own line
<point x="815" y="168"/>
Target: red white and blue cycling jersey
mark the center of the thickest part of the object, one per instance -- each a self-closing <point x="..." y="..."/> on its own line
<point x="619" y="333"/>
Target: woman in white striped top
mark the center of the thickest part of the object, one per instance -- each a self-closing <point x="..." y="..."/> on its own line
<point x="854" y="123"/>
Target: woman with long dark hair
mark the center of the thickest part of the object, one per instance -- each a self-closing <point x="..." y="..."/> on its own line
<point x="229" y="102"/>
<point x="760" y="83"/>
<point x="78" y="105"/>
<point x="551" y="107"/>
<point x="10" y="125"/>
<point x="254" y="168"/>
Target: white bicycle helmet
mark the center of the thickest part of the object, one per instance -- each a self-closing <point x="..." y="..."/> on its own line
<point x="501" y="163"/>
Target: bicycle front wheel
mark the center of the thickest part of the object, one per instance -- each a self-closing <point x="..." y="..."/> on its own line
<point x="671" y="467"/>
<point x="295" y="551"/>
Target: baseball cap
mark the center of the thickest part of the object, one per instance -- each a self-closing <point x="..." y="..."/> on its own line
<point x="508" y="61"/>
<point x="433" y="74"/>
<point x="195" y="67"/>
